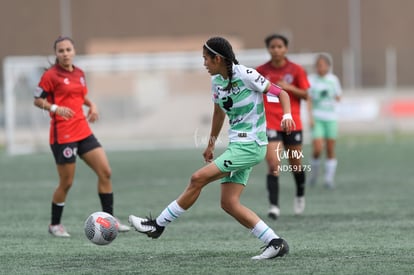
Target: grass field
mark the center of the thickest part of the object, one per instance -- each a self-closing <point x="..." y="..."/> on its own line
<point x="364" y="226"/>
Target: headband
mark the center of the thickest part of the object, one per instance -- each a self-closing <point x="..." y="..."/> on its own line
<point x="213" y="51"/>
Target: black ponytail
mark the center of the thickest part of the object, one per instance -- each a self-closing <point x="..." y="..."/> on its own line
<point x="221" y="47"/>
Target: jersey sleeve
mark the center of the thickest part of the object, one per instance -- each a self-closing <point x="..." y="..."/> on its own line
<point x="45" y="85"/>
<point x="254" y="80"/>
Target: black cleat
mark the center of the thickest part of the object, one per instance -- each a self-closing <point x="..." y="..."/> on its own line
<point x="146" y="226"/>
<point x="276" y="248"/>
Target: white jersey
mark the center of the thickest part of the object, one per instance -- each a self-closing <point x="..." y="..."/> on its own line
<point x="323" y="91"/>
<point x="243" y="104"/>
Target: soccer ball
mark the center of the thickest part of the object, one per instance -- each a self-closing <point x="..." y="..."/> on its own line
<point x="101" y="228"/>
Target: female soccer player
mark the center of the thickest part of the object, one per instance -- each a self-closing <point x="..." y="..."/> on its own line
<point x="325" y="92"/>
<point x="292" y="78"/>
<point x="237" y="92"/>
<point x="62" y="92"/>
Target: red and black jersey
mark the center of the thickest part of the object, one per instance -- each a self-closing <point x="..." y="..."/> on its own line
<point x="293" y="74"/>
<point x="68" y="89"/>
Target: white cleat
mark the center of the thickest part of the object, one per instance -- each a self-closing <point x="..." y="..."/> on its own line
<point x="146" y="226"/>
<point x="122" y="227"/>
<point x="274" y="212"/>
<point x="299" y="205"/>
<point x="58" y="230"/>
<point x="276" y="248"/>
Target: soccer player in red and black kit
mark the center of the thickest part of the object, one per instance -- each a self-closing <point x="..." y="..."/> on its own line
<point x="292" y="78"/>
<point x="62" y="91"/>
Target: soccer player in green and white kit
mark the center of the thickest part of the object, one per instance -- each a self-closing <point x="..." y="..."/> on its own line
<point x="237" y="92"/>
<point x="324" y="93"/>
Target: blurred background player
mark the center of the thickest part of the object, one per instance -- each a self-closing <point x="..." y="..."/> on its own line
<point x="292" y="78"/>
<point x="62" y="91"/>
<point x="237" y="92"/>
<point x="324" y="93"/>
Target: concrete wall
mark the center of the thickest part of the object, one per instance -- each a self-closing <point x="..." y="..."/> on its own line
<point x="30" y="27"/>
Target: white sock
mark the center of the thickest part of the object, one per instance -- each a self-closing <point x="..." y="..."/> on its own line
<point x="264" y="232"/>
<point x="330" y="169"/>
<point x="169" y="214"/>
<point x="315" y="163"/>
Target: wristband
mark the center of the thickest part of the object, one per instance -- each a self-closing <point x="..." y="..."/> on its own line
<point x="53" y="108"/>
<point x="287" y="116"/>
<point x="274" y="90"/>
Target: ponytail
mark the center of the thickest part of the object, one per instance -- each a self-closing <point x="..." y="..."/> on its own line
<point x="221" y="47"/>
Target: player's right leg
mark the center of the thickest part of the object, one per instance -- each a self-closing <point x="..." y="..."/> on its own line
<point x="153" y="228"/>
<point x="66" y="174"/>
<point x="274" y="148"/>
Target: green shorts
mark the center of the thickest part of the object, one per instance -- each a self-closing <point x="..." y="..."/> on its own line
<point x="325" y="129"/>
<point x="239" y="159"/>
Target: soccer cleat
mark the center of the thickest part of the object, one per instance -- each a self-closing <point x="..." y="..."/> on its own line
<point x="274" y="212"/>
<point x="299" y="205"/>
<point x="58" y="230"/>
<point x="276" y="248"/>
<point x="146" y="226"/>
<point x="122" y="227"/>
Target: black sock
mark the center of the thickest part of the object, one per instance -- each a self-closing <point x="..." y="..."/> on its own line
<point x="300" y="183"/>
<point x="273" y="189"/>
<point x="56" y="213"/>
<point x="107" y="202"/>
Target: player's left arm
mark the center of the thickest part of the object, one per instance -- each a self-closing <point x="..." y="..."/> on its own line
<point x="93" y="114"/>
<point x="287" y="123"/>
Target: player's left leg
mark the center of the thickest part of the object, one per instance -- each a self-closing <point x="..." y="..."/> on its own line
<point x="230" y="202"/>
<point x="293" y="145"/>
<point x="95" y="157"/>
<point x="331" y="162"/>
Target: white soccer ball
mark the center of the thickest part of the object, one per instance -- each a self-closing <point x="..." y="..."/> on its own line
<point x="101" y="228"/>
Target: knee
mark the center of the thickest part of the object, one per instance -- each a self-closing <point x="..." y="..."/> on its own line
<point x="197" y="180"/>
<point x="66" y="183"/>
<point x="273" y="169"/>
<point x="228" y="205"/>
<point x="107" y="173"/>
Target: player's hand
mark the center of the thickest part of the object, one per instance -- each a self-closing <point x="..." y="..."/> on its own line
<point x="287" y="123"/>
<point x="93" y="114"/>
<point x="65" y="112"/>
<point x="208" y="154"/>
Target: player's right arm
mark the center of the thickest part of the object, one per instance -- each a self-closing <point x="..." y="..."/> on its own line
<point x="42" y="103"/>
<point x="216" y="125"/>
<point x="40" y="98"/>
